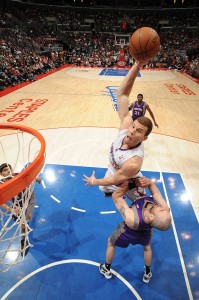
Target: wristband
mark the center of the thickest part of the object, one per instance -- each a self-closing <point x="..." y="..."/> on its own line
<point x="131" y="184"/>
<point x="137" y="65"/>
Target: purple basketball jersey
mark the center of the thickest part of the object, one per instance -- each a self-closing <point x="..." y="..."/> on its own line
<point x="138" y="110"/>
<point x="123" y="235"/>
<point x="139" y="204"/>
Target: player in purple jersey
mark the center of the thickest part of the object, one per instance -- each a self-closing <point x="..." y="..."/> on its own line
<point x="139" y="108"/>
<point x="139" y="219"/>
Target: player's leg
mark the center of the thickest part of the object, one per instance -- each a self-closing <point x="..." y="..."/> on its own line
<point x="119" y="238"/>
<point x="144" y="238"/>
<point x="24" y="248"/>
<point x="30" y="208"/>
<point x="147" y="260"/>
<point x="105" y="268"/>
<point x="24" y="228"/>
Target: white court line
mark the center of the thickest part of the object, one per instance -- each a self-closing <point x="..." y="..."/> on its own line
<point x="175" y="233"/>
<point x="178" y="245"/>
<point x="54" y="198"/>
<point x="82" y="261"/>
<point x="78" y="209"/>
<point x="108" y="212"/>
<point x="191" y="201"/>
<point x="43" y="184"/>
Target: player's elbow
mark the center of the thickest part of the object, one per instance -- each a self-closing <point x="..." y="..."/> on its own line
<point x="116" y="196"/>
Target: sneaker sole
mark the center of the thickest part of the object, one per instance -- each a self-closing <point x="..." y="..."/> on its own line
<point x="107" y="277"/>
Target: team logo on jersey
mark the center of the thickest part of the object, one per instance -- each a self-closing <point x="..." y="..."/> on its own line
<point x="120" y="157"/>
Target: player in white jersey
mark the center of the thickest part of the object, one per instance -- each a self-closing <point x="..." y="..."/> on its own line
<point x="117" y="157"/>
<point x="127" y="151"/>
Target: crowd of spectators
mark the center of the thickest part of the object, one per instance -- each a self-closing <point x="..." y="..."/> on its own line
<point x="34" y="41"/>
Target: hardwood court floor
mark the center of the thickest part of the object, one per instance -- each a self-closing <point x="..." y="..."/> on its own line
<point x="75" y="97"/>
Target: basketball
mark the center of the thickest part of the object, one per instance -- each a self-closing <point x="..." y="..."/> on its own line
<point x="144" y="44"/>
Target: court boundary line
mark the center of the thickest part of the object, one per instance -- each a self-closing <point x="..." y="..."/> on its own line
<point x="190" y="198"/>
<point x="196" y="80"/>
<point x="19" y="86"/>
<point x="178" y="243"/>
<point x="175" y="231"/>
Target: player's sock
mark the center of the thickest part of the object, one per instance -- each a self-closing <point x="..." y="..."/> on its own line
<point x="108" y="266"/>
<point x="148" y="269"/>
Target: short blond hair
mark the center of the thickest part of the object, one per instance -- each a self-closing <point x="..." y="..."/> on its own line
<point x="147" y="123"/>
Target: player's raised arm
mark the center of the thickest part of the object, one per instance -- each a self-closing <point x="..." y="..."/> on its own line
<point x="123" y="95"/>
<point x="121" y="205"/>
<point x="157" y="196"/>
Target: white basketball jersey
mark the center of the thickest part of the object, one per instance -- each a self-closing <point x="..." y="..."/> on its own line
<point x="118" y="155"/>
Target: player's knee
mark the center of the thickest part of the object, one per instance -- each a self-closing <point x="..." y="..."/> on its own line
<point x="147" y="248"/>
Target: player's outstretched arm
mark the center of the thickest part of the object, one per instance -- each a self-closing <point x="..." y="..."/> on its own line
<point x="8" y="208"/>
<point x="128" y="170"/>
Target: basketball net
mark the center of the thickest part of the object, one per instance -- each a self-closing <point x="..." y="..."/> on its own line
<point x="11" y="233"/>
<point x="14" y="227"/>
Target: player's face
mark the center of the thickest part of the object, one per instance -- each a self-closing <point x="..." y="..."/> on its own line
<point x="136" y="134"/>
<point x="6" y="172"/>
<point x="139" y="98"/>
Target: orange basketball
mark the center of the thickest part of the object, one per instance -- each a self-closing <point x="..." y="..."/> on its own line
<point x="144" y="44"/>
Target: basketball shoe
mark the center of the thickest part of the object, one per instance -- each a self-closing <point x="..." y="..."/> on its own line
<point x="147" y="277"/>
<point x="104" y="271"/>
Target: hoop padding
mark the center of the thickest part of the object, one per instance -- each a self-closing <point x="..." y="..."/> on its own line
<point x="19" y="182"/>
